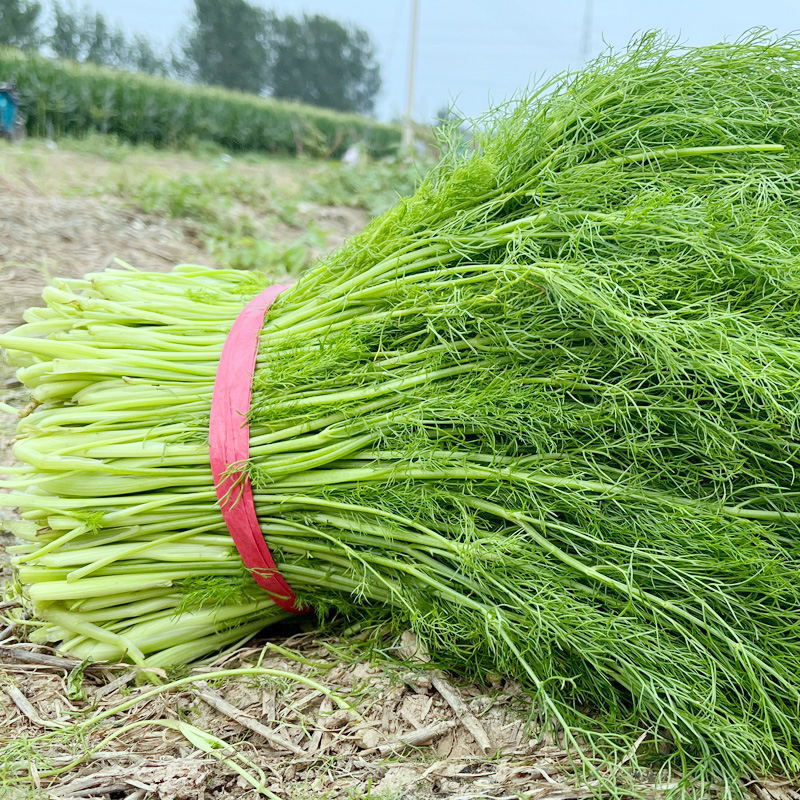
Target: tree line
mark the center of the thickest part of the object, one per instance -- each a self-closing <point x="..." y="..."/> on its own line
<point x="232" y="43"/>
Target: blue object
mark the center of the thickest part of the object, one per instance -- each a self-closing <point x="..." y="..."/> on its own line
<point x="9" y="109"/>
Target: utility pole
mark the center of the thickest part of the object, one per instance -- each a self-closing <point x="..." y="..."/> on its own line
<point x="586" y="31"/>
<point x="408" y="126"/>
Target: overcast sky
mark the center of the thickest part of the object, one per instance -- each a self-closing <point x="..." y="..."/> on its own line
<point x="478" y="52"/>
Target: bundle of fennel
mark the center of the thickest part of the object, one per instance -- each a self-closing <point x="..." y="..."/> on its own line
<point x="544" y="413"/>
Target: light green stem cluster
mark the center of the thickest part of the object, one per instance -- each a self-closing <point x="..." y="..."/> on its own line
<point x="121" y="534"/>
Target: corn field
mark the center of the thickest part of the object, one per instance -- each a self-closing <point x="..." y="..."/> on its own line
<point x="67" y="99"/>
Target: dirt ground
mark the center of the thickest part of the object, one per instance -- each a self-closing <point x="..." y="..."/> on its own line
<point x="52" y="223"/>
<point x="407" y="733"/>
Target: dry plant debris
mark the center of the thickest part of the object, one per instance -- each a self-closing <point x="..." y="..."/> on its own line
<point x="403" y="730"/>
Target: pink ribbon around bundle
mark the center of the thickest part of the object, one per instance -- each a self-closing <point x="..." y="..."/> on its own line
<point x="229" y="446"/>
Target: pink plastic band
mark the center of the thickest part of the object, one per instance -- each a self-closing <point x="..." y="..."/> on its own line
<point x="229" y="445"/>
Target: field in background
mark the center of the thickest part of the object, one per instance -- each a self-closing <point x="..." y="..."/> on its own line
<point x="61" y="98"/>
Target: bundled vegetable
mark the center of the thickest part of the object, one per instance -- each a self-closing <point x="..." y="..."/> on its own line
<point x="544" y="413"/>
